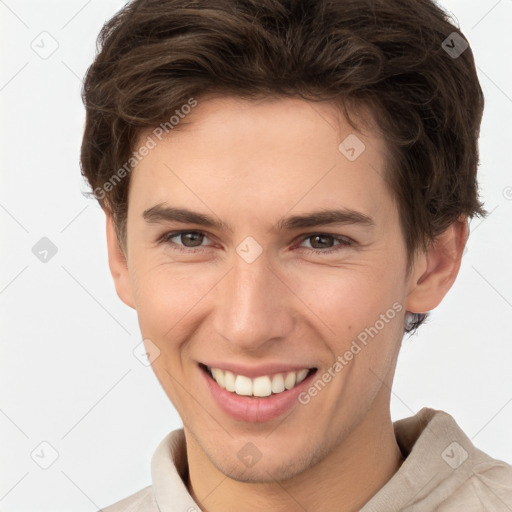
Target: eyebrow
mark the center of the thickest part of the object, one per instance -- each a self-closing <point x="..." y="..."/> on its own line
<point x="161" y="213"/>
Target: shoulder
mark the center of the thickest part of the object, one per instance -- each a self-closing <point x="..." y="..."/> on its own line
<point x="141" y="501"/>
<point x="442" y="471"/>
<point x="488" y="487"/>
<point x="466" y="478"/>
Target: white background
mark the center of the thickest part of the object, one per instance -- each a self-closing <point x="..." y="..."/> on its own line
<point x="68" y="374"/>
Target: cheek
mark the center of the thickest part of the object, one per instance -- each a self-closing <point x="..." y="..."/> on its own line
<point x="165" y="301"/>
<point x="167" y="298"/>
<point x="161" y="302"/>
<point x="347" y="299"/>
<point x="364" y="315"/>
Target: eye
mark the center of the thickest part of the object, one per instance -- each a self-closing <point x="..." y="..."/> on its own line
<point x="323" y="239"/>
<point x="190" y="240"/>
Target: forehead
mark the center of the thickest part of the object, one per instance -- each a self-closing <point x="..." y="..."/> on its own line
<point x="265" y="155"/>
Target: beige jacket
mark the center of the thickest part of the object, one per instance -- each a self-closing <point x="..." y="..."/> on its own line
<point x="442" y="472"/>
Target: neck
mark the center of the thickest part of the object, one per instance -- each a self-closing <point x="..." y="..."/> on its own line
<point x="343" y="481"/>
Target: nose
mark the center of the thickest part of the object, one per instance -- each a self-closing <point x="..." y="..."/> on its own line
<point x="254" y="305"/>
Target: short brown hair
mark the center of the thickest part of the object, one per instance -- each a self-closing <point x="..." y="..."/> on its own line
<point x="390" y="56"/>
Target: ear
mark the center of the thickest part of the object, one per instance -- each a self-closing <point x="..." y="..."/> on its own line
<point x="118" y="265"/>
<point x="434" y="271"/>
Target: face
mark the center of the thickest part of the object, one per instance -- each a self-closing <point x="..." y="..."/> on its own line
<point x="261" y="291"/>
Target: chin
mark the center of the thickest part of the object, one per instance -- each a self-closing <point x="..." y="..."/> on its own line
<point x="279" y="467"/>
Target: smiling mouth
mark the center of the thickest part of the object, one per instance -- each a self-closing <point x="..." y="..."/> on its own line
<point x="259" y="387"/>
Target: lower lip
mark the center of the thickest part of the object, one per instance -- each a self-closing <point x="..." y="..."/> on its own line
<point x="254" y="409"/>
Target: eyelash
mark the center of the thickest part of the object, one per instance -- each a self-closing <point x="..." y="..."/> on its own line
<point x="343" y="242"/>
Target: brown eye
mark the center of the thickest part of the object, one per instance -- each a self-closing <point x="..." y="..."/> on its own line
<point x="191" y="239"/>
<point x="184" y="240"/>
<point x="321" y="243"/>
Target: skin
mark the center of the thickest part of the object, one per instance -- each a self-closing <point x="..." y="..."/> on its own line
<point x="250" y="163"/>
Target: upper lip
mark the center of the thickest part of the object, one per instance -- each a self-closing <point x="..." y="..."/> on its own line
<point x="259" y="370"/>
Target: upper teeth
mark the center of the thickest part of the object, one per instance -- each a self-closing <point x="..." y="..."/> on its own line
<point x="260" y="386"/>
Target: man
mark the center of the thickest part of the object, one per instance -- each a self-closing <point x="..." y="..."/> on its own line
<point x="287" y="186"/>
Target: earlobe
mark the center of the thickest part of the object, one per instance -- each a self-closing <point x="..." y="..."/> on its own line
<point x="435" y="270"/>
<point x="118" y="265"/>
